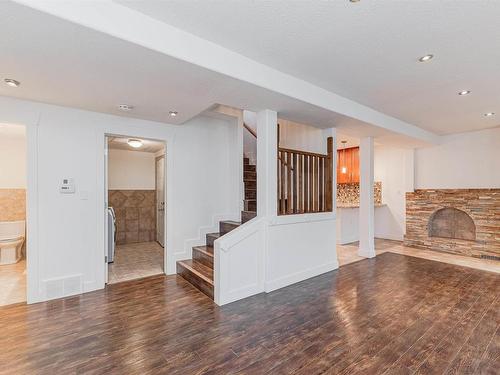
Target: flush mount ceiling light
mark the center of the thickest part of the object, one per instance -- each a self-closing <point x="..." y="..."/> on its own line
<point x="426" y="58"/>
<point x="135" y="143"/>
<point x="464" y="92"/>
<point x="489" y="114"/>
<point x="12" y="82"/>
<point x="173" y="113"/>
<point x="125" y="107"/>
<point x="354" y="1"/>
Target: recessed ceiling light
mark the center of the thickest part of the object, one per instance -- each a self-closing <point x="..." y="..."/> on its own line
<point x="135" y="143"/>
<point x="125" y="107"/>
<point x="12" y="82"/>
<point x="464" y="92"/>
<point x="489" y="114"/>
<point x="172" y="113"/>
<point x="354" y="1"/>
<point x="426" y="58"/>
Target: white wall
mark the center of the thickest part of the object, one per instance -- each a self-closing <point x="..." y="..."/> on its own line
<point x="467" y="160"/>
<point x="66" y="231"/>
<point x="131" y="170"/>
<point x="394" y="168"/>
<point x="12" y="161"/>
<point x="301" y="137"/>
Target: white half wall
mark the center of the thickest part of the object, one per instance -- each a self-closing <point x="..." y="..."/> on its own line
<point x="12" y="160"/>
<point x="65" y="249"/>
<point x="461" y="161"/>
<point x="131" y="170"/>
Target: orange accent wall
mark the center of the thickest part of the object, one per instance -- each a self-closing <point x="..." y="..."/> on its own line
<point x="348" y="158"/>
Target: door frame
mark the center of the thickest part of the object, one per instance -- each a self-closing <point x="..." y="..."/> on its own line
<point x="166" y="213"/>
<point x="157" y="158"/>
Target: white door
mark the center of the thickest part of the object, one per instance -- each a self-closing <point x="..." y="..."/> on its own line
<point x="160" y="200"/>
<point x="106" y="234"/>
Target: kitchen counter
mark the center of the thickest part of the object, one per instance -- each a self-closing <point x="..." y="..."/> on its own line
<point x="348" y="222"/>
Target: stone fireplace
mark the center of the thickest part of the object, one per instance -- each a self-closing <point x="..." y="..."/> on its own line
<point x="460" y="221"/>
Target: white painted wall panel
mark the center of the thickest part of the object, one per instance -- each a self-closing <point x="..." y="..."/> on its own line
<point x="131" y="170"/>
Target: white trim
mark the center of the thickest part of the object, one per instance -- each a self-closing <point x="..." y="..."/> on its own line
<point x="300" y="276"/>
<point x="303" y="218"/>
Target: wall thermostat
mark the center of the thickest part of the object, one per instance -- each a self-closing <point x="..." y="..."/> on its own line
<point x="67" y="186"/>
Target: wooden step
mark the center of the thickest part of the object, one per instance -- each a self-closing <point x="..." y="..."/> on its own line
<point x="250" y="194"/>
<point x="250" y="184"/>
<point x="249" y="168"/>
<point x="211" y="237"/>
<point x="204" y="255"/>
<point x="197" y="274"/>
<point x="246" y="161"/>
<point x="227" y="226"/>
<point x="250" y="204"/>
<point x="247" y="215"/>
<point x="249" y="175"/>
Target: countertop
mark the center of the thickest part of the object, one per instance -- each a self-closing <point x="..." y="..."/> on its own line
<point x="357" y="205"/>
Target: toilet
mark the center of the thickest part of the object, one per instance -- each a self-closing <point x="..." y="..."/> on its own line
<point x="11" y="241"/>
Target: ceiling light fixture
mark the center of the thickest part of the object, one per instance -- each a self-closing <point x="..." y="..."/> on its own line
<point x="426" y="58"/>
<point x="489" y="114"/>
<point x="354" y="1"/>
<point x="173" y="113"/>
<point x="464" y="92"/>
<point x="135" y="143"/>
<point x="12" y="82"/>
<point x="125" y="107"/>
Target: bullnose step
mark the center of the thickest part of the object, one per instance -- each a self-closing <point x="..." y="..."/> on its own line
<point x="196" y="273"/>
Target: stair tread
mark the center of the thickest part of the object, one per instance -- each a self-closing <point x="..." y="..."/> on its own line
<point x="216" y="235"/>
<point x="199" y="270"/>
<point x="209" y="250"/>
<point x="231" y="222"/>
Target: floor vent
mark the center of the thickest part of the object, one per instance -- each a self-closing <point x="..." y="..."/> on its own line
<point x="490" y="257"/>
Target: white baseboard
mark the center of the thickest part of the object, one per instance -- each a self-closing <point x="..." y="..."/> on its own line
<point x="300" y="276"/>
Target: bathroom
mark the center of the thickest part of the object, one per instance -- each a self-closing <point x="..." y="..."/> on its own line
<point x="12" y="214"/>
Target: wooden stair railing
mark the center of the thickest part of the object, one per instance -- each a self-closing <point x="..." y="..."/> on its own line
<point x="305" y="181"/>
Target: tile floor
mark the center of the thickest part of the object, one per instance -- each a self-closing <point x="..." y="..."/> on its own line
<point x="13" y="283"/>
<point x="349" y="254"/>
<point x="135" y="261"/>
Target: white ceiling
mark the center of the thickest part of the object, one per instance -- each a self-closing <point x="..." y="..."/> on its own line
<point x="148" y="145"/>
<point x="365" y="51"/>
<point x="64" y="63"/>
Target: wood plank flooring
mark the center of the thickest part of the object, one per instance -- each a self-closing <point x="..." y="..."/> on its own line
<point x="392" y="314"/>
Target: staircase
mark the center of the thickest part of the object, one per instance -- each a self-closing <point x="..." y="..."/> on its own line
<point x="199" y="270"/>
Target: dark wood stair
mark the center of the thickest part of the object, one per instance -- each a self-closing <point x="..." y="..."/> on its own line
<point x="199" y="271"/>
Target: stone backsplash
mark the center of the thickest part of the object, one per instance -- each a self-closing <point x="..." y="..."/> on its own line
<point x="348" y="194"/>
<point x="12" y="204"/>
<point x="481" y="205"/>
<point x="135" y="212"/>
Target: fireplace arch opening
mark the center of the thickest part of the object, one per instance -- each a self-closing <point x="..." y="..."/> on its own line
<point x="452" y="223"/>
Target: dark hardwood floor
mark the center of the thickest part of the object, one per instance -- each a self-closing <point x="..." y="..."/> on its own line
<point x="389" y="315"/>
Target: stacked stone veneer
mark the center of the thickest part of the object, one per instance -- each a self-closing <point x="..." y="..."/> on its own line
<point x="348" y="194"/>
<point x="135" y="212"/>
<point x="482" y="205"/>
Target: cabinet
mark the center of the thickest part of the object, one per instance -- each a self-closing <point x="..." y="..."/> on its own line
<point x="348" y="165"/>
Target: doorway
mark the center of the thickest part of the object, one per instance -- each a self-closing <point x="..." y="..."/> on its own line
<point x="13" y="247"/>
<point x="135" y="209"/>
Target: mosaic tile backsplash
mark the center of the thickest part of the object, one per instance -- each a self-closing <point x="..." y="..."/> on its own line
<point x="12" y="204"/>
<point x="135" y="212"/>
<point x="348" y="194"/>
